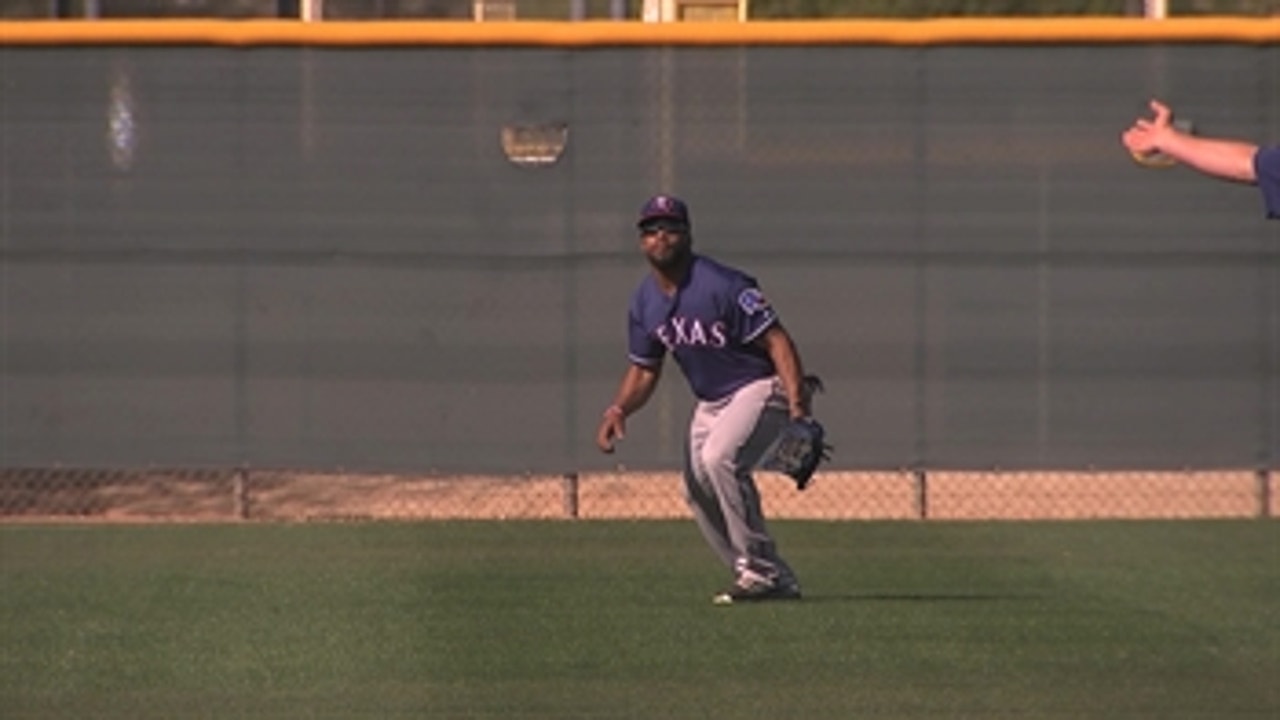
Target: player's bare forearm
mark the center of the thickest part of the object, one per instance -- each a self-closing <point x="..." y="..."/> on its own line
<point x="786" y="362"/>
<point x="1228" y="159"/>
<point x="635" y="390"/>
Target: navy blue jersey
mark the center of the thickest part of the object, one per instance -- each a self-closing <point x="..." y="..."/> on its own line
<point x="709" y="326"/>
<point x="1266" y="164"/>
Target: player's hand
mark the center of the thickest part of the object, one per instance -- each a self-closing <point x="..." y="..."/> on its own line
<point x="1145" y="136"/>
<point x="613" y="427"/>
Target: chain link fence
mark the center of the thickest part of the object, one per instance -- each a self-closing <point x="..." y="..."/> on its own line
<point x="247" y="495"/>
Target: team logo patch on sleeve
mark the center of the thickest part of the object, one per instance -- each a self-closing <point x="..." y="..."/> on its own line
<point x="752" y="301"/>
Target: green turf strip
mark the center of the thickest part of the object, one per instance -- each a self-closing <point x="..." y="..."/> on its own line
<point x="614" y="620"/>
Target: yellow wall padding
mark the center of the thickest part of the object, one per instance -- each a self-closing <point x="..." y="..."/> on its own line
<point x="596" y="33"/>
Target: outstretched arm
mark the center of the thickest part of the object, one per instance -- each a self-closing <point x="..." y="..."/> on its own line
<point x="1217" y="157"/>
<point x="634" y="391"/>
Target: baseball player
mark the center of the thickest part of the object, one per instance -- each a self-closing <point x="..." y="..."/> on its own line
<point x="1236" y="160"/>
<point x="747" y="377"/>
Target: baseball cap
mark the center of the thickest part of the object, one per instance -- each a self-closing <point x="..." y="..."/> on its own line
<point x="664" y="207"/>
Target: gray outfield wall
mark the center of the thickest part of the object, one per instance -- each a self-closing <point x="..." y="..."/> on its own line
<point x="320" y="258"/>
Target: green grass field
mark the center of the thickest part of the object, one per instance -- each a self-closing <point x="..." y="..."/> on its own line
<point x="613" y="620"/>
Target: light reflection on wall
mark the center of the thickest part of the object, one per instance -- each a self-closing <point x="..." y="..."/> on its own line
<point x="122" y="121"/>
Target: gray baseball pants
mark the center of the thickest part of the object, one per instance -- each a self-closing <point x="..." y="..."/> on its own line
<point x="727" y="439"/>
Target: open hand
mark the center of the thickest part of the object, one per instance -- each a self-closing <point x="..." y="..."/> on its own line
<point x="1145" y="136"/>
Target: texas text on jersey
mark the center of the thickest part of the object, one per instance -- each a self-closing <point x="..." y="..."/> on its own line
<point x="711" y="338"/>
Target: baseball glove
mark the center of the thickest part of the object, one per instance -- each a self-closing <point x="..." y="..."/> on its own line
<point x="799" y="451"/>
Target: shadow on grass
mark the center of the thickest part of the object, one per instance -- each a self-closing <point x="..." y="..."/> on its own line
<point x="921" y="597"/>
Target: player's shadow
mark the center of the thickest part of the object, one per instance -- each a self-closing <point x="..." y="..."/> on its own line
<point x="919" y="597"/>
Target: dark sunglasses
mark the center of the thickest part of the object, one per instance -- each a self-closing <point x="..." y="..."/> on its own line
<point x="670" y="227"/>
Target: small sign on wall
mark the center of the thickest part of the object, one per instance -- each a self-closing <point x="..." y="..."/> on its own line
<point x="694" y="10"/>
<point x="483" y="10"/>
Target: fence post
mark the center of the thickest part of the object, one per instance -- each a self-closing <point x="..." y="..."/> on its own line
<point x="240" y="492"/>
<point x="1264" y="493"/>
<point x="921" y="477"/>
<point x="571" y="495"/>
